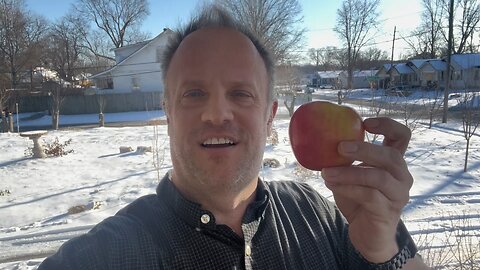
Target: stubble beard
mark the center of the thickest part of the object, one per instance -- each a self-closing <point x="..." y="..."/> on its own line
<point x="232" y="181"/>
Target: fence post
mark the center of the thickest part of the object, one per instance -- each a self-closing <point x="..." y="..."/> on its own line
<point x="4" y="122"/>
<point x="10" y="122"/>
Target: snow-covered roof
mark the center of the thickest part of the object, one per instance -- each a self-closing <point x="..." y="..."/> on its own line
<point x="386" y="67"/>
<point x="418" y="62"/>
<point x="467" y="60"/>
<point x="403" y="68"/>
<point x="437" y="64"/>
<point x="329" y="74"/>
<point x="365" y="73"/>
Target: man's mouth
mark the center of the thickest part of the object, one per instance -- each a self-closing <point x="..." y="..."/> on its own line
<point x="218" y="142"/>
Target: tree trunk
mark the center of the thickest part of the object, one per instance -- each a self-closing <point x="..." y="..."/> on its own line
<point x="291" y="106"/>
<point x="10" y="122"/>
<point x="4" y="122"/>
<point x="101" y="120"/>
<point x="55" y="119"/>
<point x="466" y="156"/>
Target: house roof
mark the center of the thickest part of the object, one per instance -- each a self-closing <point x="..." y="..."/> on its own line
<point x="329" y="74"/>
<point x="361" y="73"/>
<point x="467" y="60"/>
<point x="385" y="66"/>
<point x="418" y="62"/>
<point x="365" y="73"/>
<point x="403" y="68"/>
<point x="437" y="64"/>
<point x="142" y="46"/>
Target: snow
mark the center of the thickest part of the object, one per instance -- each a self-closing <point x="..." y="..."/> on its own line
<point x="36" y="214"/>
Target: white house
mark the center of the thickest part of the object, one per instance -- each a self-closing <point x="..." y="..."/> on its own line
<point x="415" y="64"/>
<point x="383" y="75"/>
<point x="137" y="67"/>
<point x="401" y="74"/>
<point x="466" y="70"/>
<point x="330" y="78"/>
<point x="432" y="73"/>
<point x="361" y="79"/>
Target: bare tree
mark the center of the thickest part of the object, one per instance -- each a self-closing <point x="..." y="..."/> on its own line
<point x="102" y="102"/>
<point x="433" y="104"/>
<point x="288" y="86"/>
<point x="356" y="21"/>
<point x="117" y="23"/>
<point x="470" y="120"/>
<point x="4" y="95"/>
<point x="56" y="92"/>
<point x="425" y="41"/>
<point x="64" y="48"/>
<point x="278" y="22"/>
<point x="371" y="57"/>
<point x="323" y="58"/>
<point x="21" y="35"/>
<point x="114" y="17"/>
<point x="315" y="55"/>
<point x="466" y="23"/>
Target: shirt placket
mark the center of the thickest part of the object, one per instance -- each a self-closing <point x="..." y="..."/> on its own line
<point x="249" y="230"/>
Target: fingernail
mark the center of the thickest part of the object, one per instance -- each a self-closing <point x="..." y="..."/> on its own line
<point x="348" y="147"/>
<point x="371" y="122"/>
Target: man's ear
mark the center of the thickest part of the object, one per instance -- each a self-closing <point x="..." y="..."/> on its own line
<point x="273" y="112"/>
<point x="165" y="109"/>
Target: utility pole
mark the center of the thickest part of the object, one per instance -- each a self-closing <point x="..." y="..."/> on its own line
<point x="393" y="50"/>
<point x="449" y="60"/>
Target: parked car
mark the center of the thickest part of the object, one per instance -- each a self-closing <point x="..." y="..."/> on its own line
<point x="326" y="86"/>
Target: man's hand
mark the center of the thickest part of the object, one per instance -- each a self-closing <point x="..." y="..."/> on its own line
<point x="372" y="195"/>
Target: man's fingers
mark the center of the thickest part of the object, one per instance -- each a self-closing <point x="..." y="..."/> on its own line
<point x="366" y="184"/>
<point x="387" y="158"/>
<point x="396" y="135"/>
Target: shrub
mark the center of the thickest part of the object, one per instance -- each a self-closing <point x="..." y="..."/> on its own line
<point x="54" y="149"/>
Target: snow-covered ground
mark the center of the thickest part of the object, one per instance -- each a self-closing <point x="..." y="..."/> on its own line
<point x="38" y="196"/>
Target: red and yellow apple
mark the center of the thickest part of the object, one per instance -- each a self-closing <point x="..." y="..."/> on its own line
<point x="316" y="129"/>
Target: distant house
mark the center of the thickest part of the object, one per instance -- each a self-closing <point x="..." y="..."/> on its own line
<point x="328" y="78"/>
<point x="432" y="73"/>
<point x="466" y="70"/>
<point x="383" y="75"/>
<point x="137" y="67"/>
<point x="361" y="79"/>
<point x="416" y="78"/>
<point x="401" y="74"/>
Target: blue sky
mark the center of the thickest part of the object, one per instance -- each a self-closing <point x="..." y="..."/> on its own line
<point x="319" y="18"/>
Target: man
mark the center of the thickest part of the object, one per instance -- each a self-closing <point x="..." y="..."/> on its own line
<point x="213" y="212"/>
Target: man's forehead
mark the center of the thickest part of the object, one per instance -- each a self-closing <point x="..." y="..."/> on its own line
<point x="215" y="35"/>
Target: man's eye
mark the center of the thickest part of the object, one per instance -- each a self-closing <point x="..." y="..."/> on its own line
<point x="242" y="97"/>
<point x="194" y="93"/>
<point x="242" y="94"/>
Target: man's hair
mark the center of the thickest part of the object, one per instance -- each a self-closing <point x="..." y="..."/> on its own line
<point x="215" y="16"/>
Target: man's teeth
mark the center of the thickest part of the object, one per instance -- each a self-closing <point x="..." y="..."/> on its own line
<point x="215" y="141"/>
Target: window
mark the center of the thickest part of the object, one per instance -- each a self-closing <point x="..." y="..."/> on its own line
<point x="159" y="54"/>
<point x="135" y="84"/>
<point x="476" y="77"/>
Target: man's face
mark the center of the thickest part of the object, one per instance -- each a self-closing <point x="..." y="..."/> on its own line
<point x="218" y="112"/>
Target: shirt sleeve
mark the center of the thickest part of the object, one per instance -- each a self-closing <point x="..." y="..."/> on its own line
<point x="118" y="242"/>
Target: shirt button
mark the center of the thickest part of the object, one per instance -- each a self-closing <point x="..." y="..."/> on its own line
<point x="205" y="219"/>
<point x="248" y="250"/>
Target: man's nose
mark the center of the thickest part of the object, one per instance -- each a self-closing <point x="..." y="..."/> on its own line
<point x="218" y="110"/>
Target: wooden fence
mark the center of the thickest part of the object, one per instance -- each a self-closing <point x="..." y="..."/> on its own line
<point x="87" y="104"/>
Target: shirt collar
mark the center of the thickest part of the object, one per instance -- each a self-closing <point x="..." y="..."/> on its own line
<point x="196" y="217"/>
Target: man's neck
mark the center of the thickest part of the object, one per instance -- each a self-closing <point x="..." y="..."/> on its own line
<point x="228" y="207"/>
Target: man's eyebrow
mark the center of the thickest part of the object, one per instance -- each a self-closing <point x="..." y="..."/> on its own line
<point x="189" y="83"/>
